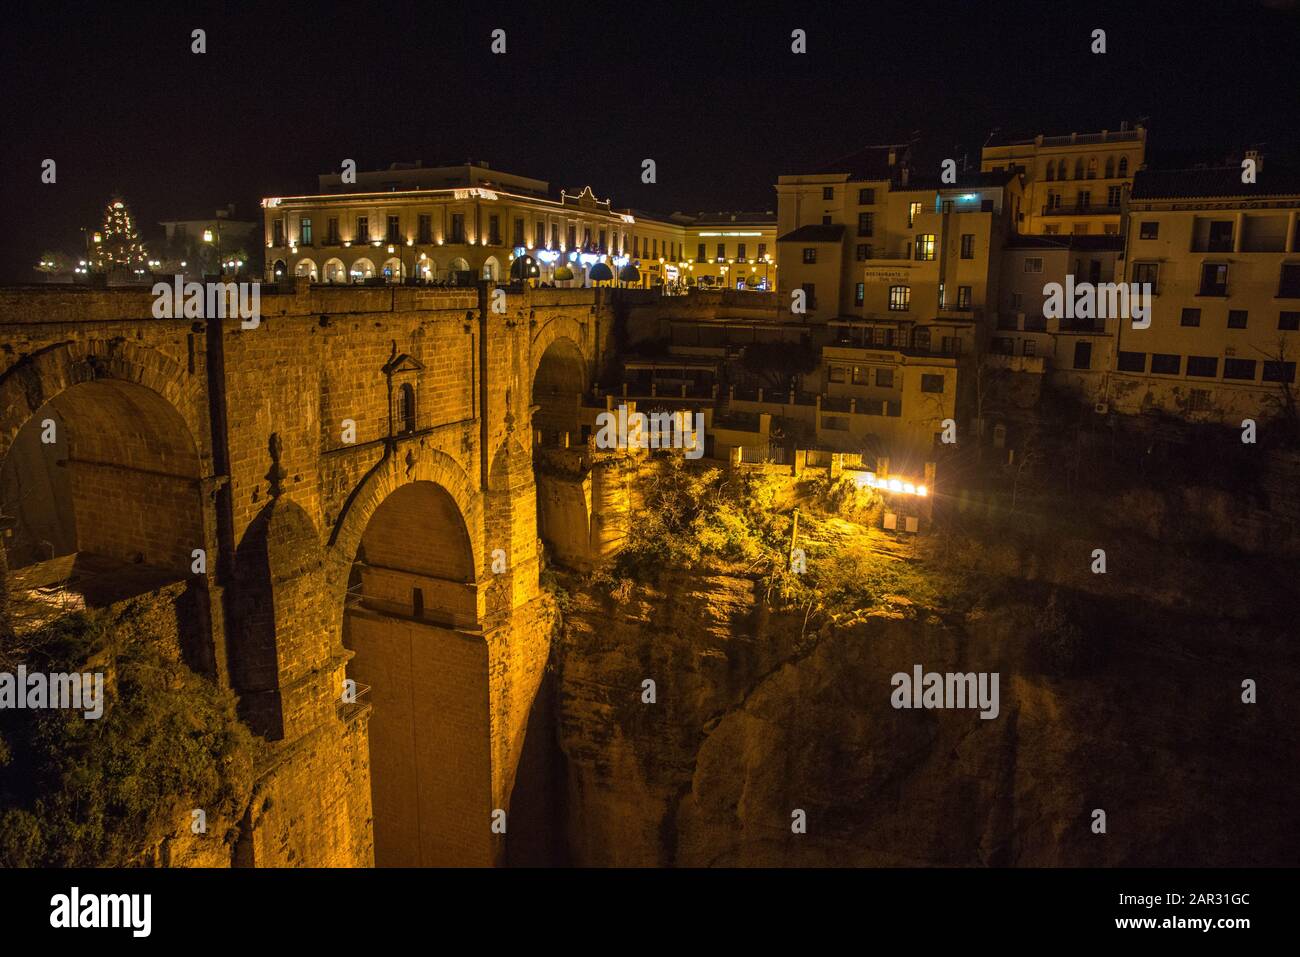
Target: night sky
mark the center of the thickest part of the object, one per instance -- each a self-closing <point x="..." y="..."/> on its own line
<point x="711" y="92"/>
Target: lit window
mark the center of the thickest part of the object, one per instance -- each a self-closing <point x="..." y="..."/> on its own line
<point x="900" y="298"/>
<point x="925" y="247"/>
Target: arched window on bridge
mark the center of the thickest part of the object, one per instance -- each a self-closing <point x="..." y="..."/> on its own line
<point x="406" y="407"/>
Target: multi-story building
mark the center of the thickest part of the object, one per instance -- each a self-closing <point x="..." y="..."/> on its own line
<point x="1076" y="352"/>
<point x="901" y="270"/>
<point x="1223" y="260"/>
<point x="1073" y="185"/>
<point x="460" y="223"/>
<point x="732" y="250"/>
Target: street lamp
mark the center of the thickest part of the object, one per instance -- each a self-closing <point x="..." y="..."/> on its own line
<point x="208" y="237"/>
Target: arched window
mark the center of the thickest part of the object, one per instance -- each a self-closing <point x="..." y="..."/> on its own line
<point x="1092" y="167"/>
<point x="1110" y="167"/>
<point x="1051" y="171"/>
<point x="1123" y="166"/>
<point x="406" y="407"/>
<point x="1078" y="168"/>
<point x="1060" y="169"/>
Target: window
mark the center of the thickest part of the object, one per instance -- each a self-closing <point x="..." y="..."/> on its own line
<point x="921" y="340"/>
<point x="425" y="228"/>
<point x="555" y="235"/>
<point x="406" y="407"/>
<point x="1060" y="169"/>
<point x="539" y="234"/>
<point x="457" y="229"/>
<point x="885" y="378"/>
<point x="1017" y="300"/>
<point x="925" y="247"/>
<point x="900" y="298"/>
<point x="1080" y="229"/>
<point x="1221" y="236"/>
<point x="1236" y="318"/>
<point x="636" y="247"/>
<point x="1190" y="317"/>
<point x="1034" y="264"/>
<point x="1123" y="166"/>
<point x="1110" y="167"/>
<point x="1147" y="273"/>
<point x="1030" y="347"/>
<point x="963" y="297"/>
<point x="866" y="224"/>
<point x="700" y="254"/>
<point x="836" y="374"/>
<point x="1132" y="362"/>
<point x="586" y="238"/>
<point x="722" y="252"/>
<point x="863" y="252"/>
<point x="967" y="245"/>
<point x="740" y="252"/>
<point x="1051" y="171"/>
<point x="332" y="231"/>
<point x="1003" y="345"/>
<point x="1275" y="371"/>
<point x="1214" y="279"/>
<point x="654" y="248"/>
<point x="1051" y="230"/>
<point x="1110" y="229"/>
<point x="1113" y="196"/>
<point x="304" y="231"/>
<point x="859" y="291"/>
<point x="517" y="235"/>
<point x="277" y="233"/>
<point x="1162" y="364"/>
<point x="1092" y="167"/>
<point x="1288" y="321"/>
<point x="1289" y="286"/>
<point x="1083" y="355"/>
<point x="866" y="197"/>
<point x="931" y="383"/>
<point x="1204" y="366"/>
<point x="762" y="250"/>
<point x="363" y="229"/>
<point x="810" y="255"/>
<point x="860" y="376"/>
<point x="394" y="234"/>
<point x="1239" y="369"/>
<point x="913" y="210"/>
<point x="1078" y="168"/>
<point x="826" y="219"/>
<point x="828" y="192"/>
<point x="1085" y="199"/>
<point x="571" y="237"/>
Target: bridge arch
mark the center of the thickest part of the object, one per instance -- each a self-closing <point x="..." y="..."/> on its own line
<point x="559" y="378"/>
<point x="412" y="620"/>
<point x="102" y="476"/>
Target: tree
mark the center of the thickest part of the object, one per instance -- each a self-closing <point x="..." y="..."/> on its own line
<point x="1282" y="403"/>
<point x="53" y="263"/>
<point x="118" y="245"/>
<point x="777" y="363"/>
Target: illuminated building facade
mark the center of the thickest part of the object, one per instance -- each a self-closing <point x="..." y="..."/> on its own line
<point x="1073" y="185"/>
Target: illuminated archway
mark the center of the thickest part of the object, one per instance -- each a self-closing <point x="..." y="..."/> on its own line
<point x="412" y="621"/>
<point x="335" y="271"/>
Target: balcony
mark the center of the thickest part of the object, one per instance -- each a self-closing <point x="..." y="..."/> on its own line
<point x="1082" y="209"/>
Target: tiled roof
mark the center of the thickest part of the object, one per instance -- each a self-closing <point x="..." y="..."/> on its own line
<point x="1212" y="182"/>
<point x="814" y="233"/>
<point x="971" y="179"/>
<point x="868" y="163"/>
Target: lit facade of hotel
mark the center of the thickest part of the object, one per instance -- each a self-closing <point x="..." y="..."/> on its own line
<point x="458" y="223"/>
<point x="1073" y="184"/>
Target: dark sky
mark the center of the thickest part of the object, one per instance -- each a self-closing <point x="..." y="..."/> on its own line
<point x="584" y="93"/>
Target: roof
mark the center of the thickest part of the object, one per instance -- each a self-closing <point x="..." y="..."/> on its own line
<point x="815" y="233"/>
<point x="1094" y="243"/>
<point x="868" y="163"/>
<point x="1212" y="182"/>
<point x="767" y="217"/>
<point x="971" y="179"/>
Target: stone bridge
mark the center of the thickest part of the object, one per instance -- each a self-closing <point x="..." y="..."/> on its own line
<point x="357" y="472"/>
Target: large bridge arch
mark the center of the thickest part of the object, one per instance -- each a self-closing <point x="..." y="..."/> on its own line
<point x="412" y="619"/>
<point x="103" y="479"/>
<point x="560" y="375"/>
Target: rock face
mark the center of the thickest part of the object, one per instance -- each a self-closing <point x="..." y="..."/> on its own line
<point x="753" y="720"/>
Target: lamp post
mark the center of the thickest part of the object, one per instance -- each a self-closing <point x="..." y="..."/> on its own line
<point x="207" y="238"/>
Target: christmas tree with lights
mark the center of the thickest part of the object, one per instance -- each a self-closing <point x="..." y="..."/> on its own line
<point x="117" y="245"/>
